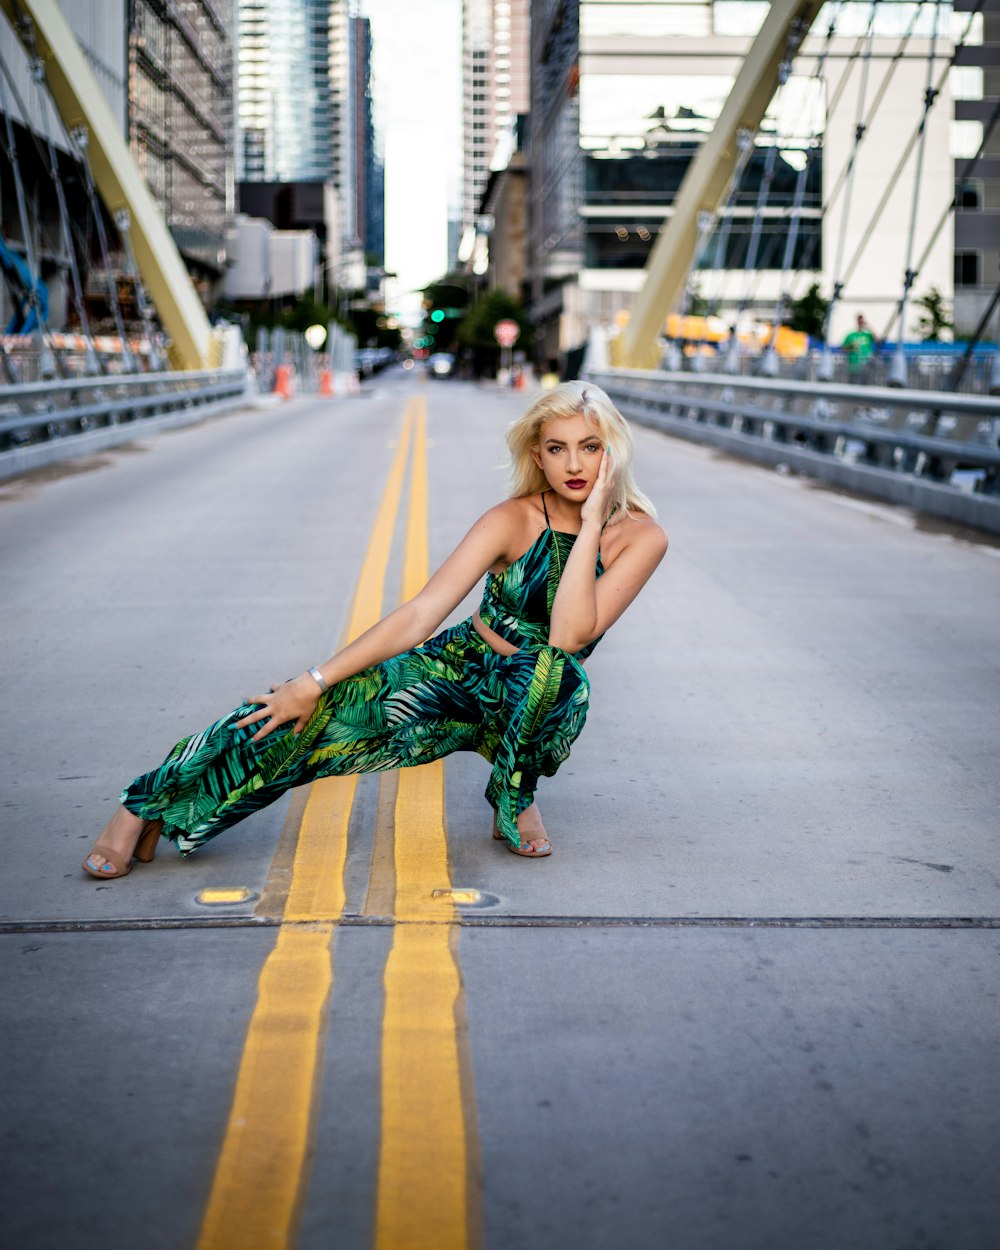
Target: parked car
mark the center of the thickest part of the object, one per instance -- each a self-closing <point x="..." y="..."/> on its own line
<point x="369" y="360"/>
<point x="441" y="365"/>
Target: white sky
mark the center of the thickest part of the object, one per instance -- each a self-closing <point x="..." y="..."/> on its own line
<point x="417" y="54"/>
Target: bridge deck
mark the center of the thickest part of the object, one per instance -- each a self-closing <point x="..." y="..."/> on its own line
<point x="748" y="1002"/>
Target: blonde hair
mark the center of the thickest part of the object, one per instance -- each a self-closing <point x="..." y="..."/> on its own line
<point x="566" y="400"/>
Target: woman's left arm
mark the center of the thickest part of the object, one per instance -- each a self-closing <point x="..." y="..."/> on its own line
<point x="585" y="605"/>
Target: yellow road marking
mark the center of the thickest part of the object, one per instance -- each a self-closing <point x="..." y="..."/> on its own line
<point x="368" y="598"/>
<point x="423" y="1161"/>
<point x="416" y="560"/>
<point x="256" y="1186"/>
<point x="259" y="1177"/>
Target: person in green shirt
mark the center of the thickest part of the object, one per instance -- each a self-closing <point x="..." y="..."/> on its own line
<point x="858" y="346"/>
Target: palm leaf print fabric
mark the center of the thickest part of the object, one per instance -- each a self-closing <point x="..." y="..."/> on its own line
<point x="454" y="693"/>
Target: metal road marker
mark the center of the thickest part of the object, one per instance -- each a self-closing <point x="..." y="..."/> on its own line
<point x="259" y="1176"/>
<point x="458" y="895"/>
<point x="219" y="896"/>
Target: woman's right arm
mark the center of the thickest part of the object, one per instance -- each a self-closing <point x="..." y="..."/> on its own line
<point x="408" y="626"/>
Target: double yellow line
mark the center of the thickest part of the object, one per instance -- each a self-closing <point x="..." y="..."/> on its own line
<point x="423" y="1186"/>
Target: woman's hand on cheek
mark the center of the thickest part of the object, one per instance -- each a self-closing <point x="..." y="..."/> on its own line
<point x="596" y="504"/>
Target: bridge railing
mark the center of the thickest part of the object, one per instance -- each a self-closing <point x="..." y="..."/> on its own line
<point x="37" y="412"/>
<point x="935" y="450"/>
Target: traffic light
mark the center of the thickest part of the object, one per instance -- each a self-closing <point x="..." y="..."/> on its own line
<point x="437" y="315"/>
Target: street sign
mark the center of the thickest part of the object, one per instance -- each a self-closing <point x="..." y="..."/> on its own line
<point x="506" y="332"/>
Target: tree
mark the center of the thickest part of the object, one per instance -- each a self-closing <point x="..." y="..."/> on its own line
<point x="697" y="304"/>
<point x="292" y="314"/>
<point x="446" y="303"/>
<point x="808" y="313"/>
<point x="935" y="317"/>
<point x="476" y="330"/>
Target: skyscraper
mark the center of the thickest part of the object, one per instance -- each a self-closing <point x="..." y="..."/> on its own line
<point x="180" y="66"/>
<point x="286" y="123"/>
<point x="369" y="182"/>
<point x="495" y="88"/>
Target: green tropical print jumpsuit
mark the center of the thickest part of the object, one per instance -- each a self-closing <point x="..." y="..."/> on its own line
<point x="453" y="693"/>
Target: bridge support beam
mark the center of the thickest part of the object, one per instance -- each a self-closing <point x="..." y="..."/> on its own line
<point x="705" y="182"/>
<point x="81" y="102"/>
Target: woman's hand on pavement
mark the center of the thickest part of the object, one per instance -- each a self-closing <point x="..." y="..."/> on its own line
<point x="293" y="700"/>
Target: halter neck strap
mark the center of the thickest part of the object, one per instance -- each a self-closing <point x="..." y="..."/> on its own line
<point x="548" y="523"/>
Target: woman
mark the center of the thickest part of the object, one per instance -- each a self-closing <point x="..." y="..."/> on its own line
<point x="564" y="557"/>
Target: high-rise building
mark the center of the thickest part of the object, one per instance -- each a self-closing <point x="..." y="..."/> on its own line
<point x="495" y="88"/>
<point x="623" y="96"/>
<point x="369" y="183"/>
<point x="975" y="88"/>
<point x="300" y="66"/>
<point x="167" y="73"/>
<point x="180" y="73"/>
<point x="286" y="130"/>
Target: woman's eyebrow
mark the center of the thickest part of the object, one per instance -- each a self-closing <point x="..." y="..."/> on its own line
<point x="591" y="438"/>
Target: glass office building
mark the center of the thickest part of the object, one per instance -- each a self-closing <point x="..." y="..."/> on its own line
<point x="624" y="94"/>
<point x="286" y="123"/>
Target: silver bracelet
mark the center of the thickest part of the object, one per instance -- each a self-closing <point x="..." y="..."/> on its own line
<point x="321" y="681"/>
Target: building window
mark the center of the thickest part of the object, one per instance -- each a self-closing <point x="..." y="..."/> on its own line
<point x="966" y="82"/>
<point x="967" y="268"/>
<point x="966" y="139"/>
<point x="969" y="195"/>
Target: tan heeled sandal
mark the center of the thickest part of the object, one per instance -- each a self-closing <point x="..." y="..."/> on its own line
<point x="145" y="853"/>
<point x="525" y="849"/>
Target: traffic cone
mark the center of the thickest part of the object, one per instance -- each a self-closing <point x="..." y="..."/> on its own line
<point x="326" y="382"/>
<point x="283" y="381"/>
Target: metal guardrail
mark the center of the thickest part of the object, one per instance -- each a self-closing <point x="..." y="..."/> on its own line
<point x="37" y="412"/>
<point x="931" y="435"/>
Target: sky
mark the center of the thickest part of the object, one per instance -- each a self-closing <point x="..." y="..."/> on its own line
<point x="417" y="54"/>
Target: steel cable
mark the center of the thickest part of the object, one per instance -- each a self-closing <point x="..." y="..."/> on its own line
<point x="897" y="373"/>
<point x="907" y="150"/>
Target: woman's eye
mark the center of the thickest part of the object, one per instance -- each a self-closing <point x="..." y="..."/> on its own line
<point x="594" y="447"/>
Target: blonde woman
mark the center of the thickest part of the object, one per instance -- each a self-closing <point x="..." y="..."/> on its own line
<point x="563" y="558"/>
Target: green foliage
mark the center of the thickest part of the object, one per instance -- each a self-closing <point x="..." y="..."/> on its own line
<point x="697" y="304"/>
<point x="445" y="304"/>
<point x="365" y="323"/>
<point x="305" y="312"/>
<point x="298" y="315"/>
<point x="808" y="313"/>
<point x="452" y="291"/>
<point x="476" y="330"/>
<point x="936" y="316"/>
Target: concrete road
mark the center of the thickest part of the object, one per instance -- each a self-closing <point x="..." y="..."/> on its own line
<point x="749" y="1002"/>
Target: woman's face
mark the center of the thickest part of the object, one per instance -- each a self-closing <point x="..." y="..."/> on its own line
<point x="569" y="454"/>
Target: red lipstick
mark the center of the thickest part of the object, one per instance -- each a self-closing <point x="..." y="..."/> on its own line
<point x="576" y="483"/>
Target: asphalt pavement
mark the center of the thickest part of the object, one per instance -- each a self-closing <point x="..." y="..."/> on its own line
<point x="749" y="1002"/>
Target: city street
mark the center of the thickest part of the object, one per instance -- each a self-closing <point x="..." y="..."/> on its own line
<point x="750" y="1002"/>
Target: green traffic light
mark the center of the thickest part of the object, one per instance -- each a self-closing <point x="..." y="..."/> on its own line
<point x="437" y="315"/>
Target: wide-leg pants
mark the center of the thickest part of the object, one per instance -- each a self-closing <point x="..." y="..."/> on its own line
<point x="453" y="693"/>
